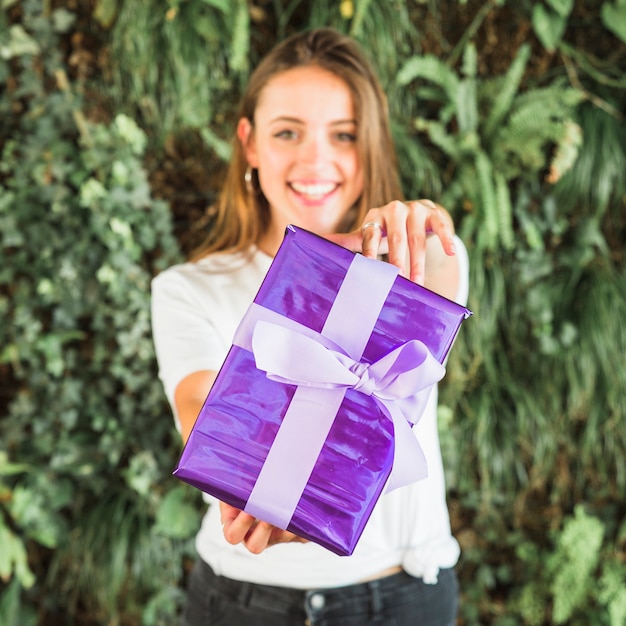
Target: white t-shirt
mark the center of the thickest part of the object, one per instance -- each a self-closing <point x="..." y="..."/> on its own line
<point x="196" y="308"/>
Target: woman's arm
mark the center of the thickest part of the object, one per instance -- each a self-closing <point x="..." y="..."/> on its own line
<point x="189" y="397"/>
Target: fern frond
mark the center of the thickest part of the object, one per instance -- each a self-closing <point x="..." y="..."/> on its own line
<point x="597" y="180"/>
<point x="432" y="69"/>
<point x="470" y="61"/>
<point x="222" y="148"/>
<point x="507" y="92"/>
<point x="159" y="63"/>
<point x="357" y="22"/>
<point x="505" y="212"/>
<point x="185" y="76"/>
<point x="387" y="46"/>
<point x="421" y="177"/>
<point x="467" y="106"/>
<point x="537" y="119"/>
<point x="561" y="98"/>
<point x="489" y="226"/>
<point x="241" y="38"/>
<point x="438" y="134"/>
<point x="566" y="151"/>
<point x="222" y="5"/>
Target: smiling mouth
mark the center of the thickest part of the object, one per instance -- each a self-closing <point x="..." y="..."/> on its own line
<point x="314" y="191"/>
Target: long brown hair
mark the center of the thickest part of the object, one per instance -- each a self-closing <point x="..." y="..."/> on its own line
<point x="243" y="216"/>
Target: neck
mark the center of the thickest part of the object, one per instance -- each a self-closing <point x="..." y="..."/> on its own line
<point x="271" y="240"/>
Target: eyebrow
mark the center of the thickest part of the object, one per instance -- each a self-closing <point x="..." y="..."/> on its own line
<point x="295" y="120"/>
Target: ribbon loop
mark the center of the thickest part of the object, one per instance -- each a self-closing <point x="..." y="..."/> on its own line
<point x="399" y="377"/>
<point x="366" y="384"/>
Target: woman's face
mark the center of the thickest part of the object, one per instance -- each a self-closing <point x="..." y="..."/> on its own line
<point x="303" y="145"/>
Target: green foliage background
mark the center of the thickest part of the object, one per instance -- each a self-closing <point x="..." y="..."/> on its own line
<point x="115" y="118"/>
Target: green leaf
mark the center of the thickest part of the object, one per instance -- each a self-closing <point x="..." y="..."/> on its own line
<point x="13" y="558"/>
<point x="19" y="43"/>
<point x="614" y="18"/>
<point x="10" y="605"/>
<point x="9" y="469"/>
<point x="5" y="4"/>
<point x="142" y="472"/>
<point x="222" y="5"/>
<point x="105" y="12"/>
<point x="561" y="7"/>
<point x="31" y="510"/>
<point x="177" y="518"/>
<point x="62" y="20"/>
<point x="613" y="592"/>
<point x="548" y="26"/>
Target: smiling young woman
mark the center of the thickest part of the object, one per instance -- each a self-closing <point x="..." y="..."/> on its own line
<point x="312" y="148"/>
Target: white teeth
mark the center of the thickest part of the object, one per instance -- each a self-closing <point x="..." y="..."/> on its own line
<point x="314" y="190"/>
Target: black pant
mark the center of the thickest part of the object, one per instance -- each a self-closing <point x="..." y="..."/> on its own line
<point x="397" y="600"/>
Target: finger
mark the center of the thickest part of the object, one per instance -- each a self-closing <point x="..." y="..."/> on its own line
<point x="284" y="536"/>
<point x="228" y="513"/>
<point x="417" y="247"/>
<point x="396" y="216"/>
<point x="235" y="530"/>
<point x="372" y="233"/>
<point x="354" y="241"/>
<point x="439" y="222"/>
<point x="258" y="537"/>
<point x="264" y="535"/>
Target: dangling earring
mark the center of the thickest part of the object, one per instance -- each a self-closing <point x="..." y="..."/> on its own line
<point x="247" y="177"/>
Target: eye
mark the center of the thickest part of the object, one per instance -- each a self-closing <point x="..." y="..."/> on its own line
<point x="345" y="137"/>
<point x="286" y="134"/>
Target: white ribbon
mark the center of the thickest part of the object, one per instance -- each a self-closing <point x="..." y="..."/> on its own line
<point x="400" y="382"/>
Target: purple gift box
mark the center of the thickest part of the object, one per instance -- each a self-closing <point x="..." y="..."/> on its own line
<point x="310" y="416"/>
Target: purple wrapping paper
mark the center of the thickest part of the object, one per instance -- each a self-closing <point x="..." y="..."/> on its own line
<point x="235" y="434"/>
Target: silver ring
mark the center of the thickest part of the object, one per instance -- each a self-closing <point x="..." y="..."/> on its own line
<point x="373" y="224"/>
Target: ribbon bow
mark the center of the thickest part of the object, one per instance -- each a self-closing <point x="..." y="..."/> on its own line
<point x="399" y="382"/>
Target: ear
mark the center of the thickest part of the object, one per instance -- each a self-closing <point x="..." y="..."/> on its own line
<point x="245" y="134"/>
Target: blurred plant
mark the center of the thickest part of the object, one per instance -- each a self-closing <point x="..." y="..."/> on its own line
<point x="613" y="14"/>
<point x="86" y="447"/>
<point x="532" y="405"/>
<point x="579" y="582"/>
<point x="492" y="134"/>
<point x="550" y="19"/>
<point x="573" y="563"/>
<point x="14" y="569"/>
<point x="179" y="61"/>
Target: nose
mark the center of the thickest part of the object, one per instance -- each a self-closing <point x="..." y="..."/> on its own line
<point x="315" y="150"/>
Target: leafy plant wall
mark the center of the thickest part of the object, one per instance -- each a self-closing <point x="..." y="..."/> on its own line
<point x="115" y="124"/>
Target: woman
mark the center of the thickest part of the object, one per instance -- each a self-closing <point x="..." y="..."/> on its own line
<point x="313" y="148"/>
